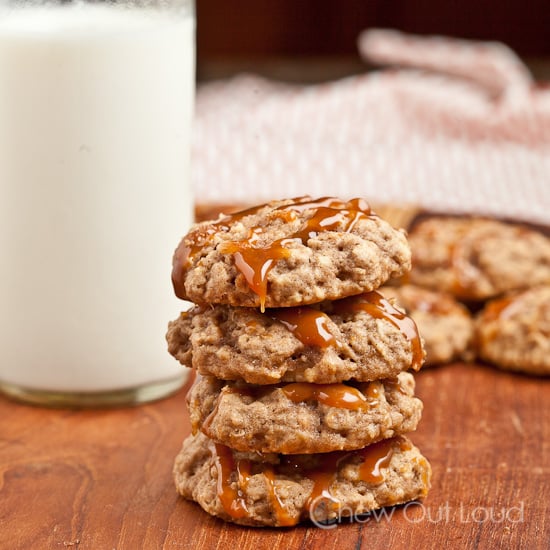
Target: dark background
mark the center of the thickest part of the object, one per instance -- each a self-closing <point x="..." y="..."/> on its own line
<point x="260" y="29"/>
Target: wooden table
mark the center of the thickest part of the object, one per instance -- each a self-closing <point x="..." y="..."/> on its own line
<point x="101" y="480"/>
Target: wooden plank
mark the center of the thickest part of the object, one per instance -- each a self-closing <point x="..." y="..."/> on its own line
<point x="102" y="479"/>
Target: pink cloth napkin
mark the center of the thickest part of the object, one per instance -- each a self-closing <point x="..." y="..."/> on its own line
<point x="458" y="127"/>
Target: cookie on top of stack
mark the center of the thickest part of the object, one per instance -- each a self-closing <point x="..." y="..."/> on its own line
<point x="303" y="395"/>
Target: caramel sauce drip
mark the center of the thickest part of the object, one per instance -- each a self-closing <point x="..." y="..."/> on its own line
<point x="329" y="214"/>
<point x="378" y="456"/>
<point x="231" y="496"/>
<point x="327" y="219"/>
<point x="253" y="259"/>
<point x="377" y="306"/>
<point x="283" y="518"/>
<point x="231" y="488"/>
<point x="196" y="239"/>
<point x="373" y="459"/>
<point x="372" y="392"/>
<point x="307" y="324"/>
<point x="255" y="262"/>
<point x="323" y="477"/>
<point x="332" y="395"/>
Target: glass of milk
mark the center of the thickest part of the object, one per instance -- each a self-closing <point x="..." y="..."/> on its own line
<point x="96" y="104"/>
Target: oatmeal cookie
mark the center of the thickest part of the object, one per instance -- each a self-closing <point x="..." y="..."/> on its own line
<point x="362" y="337"/>
<point x="279" y="490"/>
<point x="302" y="417"/>
<point x="445" y="325"/>
<point x="513" y="333"/>
<point x="288" y="253"/>
<point x="477" y="259"/>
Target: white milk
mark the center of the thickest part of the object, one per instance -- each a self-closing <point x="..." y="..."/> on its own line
<point x="95" y="113"/>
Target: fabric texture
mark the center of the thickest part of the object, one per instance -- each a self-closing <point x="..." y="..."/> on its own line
<point x="459" y="126"/>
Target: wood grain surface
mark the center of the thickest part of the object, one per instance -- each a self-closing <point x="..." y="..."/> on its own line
<point x="101" y="480"/>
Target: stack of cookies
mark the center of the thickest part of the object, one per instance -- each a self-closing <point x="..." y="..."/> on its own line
<point x="302" y="397"/>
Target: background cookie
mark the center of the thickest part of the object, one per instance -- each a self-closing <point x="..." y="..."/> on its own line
<point x="362" y="337"/>
<point x="445" y="325"/>
<point x="514" y="333"/>
<point x="476" y="259"/>
<point x="303" y="417"/>
<point x="289" y="253"/>
<point x="286" y="490"/>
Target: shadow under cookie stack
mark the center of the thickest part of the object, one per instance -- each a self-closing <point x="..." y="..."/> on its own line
<point x="302" y="397"/>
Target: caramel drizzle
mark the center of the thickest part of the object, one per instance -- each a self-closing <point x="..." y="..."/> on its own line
<point x="377" y="306"/>
<point x="232" y="497"/>
<point x="372" y="391"/>
<point x="194" y="242"/>
<point x="254" y="260"/>
<point x="190" y="245"/>
<point x="281" y="514"/>
<point x="307" y="324"/>
<point x="332" y="395"/>
<point x="374" y="459"/>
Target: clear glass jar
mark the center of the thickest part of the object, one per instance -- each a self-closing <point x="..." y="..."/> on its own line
<point x="96" y="104"/>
